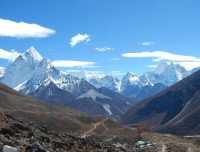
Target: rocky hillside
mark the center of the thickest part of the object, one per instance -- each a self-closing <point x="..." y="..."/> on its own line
<point x="175" y="110"/>
<point x="32" y="126"/>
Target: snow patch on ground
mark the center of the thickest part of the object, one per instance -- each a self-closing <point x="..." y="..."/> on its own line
<point x="128" y="103"/>
<point x="93" y="94"/>
<point x="107" y="108"/>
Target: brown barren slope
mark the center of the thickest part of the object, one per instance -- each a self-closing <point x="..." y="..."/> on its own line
<point x="18" y="112"/>
<point x="32" y="110"/>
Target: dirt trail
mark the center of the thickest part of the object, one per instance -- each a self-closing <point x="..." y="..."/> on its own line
<point x="87" y="133"/>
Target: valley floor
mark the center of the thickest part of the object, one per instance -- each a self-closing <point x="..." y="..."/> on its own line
<point x="103" y="136"/>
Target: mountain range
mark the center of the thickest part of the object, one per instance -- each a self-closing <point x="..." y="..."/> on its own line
<point x="35" y="76"/>
<point x="140" y="86"/>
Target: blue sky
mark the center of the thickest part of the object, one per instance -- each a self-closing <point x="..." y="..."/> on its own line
<point x="102" y="35"/>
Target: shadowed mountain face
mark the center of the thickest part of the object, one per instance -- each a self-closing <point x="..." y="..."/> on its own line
<point x="175" y="110"/>
<point x="31" y="110"/>
<point x="102" y="101"/>
<point x="13" y="100"/>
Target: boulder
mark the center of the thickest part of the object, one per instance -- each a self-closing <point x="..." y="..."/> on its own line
<point x="7" y="148"/>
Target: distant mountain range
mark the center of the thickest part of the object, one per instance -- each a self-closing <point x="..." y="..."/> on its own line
<point x="175" y="110"/>
<point x="101" y="80"/>
<point x="140" y="86"/>
<point x="35" y="76"/>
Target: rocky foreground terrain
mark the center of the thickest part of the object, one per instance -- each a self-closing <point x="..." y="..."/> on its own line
<point x="104" y="136"/>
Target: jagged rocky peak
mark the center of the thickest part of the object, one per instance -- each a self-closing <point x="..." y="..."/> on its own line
<point x="130" y="78"/>
<point x="29" y="57"/>
<point x="161" y="68"/>
<point x="178" y="67"/>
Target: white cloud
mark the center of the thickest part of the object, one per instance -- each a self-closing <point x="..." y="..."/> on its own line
<point x="11" y="56"/>
<point x="10" y="28"/>
<point x="114" y="59"/>
<point x="79" y="38"/>
<point x="148" y="43"/>
<point x="160" y="55"/>
<point x="70" y="64"/>
<point x="189" y="65"/>
<point x="103" y="49"/>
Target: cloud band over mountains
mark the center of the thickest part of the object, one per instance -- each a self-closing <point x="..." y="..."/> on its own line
<point x="72" y="64"/>
<point x="161" y="55"/>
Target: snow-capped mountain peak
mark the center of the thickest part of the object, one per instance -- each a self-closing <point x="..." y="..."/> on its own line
<point x="100" y="80"/>
<point x="32" y="53"/>
<point x="130" y="78"/>
<point x="171" y="72"/>
<point x="24" y="67"/>
<point x="161" y="68"/>
<point x="87" y="76"/>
